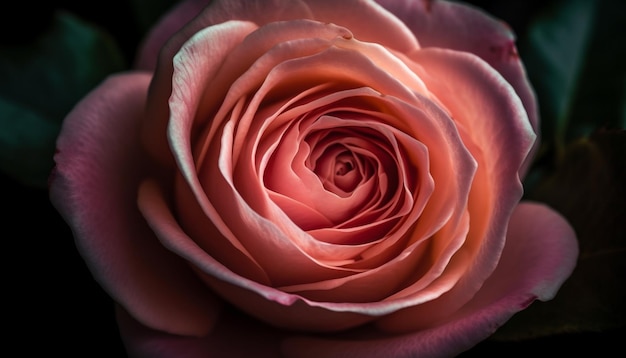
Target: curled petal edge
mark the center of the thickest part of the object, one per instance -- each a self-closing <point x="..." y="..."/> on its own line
<point x="540" y="254"/>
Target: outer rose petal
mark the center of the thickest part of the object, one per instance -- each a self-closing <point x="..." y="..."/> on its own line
<point x="168" y="25"/>
<point x="262" y="12"/>
<point x="217" y="12"/>
<point x="351" y="14"/>
<point x="477" y="98"/>
<point x="235" y="335"/>
<point x="540" y="254"/>
<point x="461" y="27"/>
<point x="94" y="187"/>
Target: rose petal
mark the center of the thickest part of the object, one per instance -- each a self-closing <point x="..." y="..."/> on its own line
<point x="292" y="259"/>
<point x="183" y="104"/>
<point x="98" y="167"/>
<point x="173" y="20"/>
<point x="351" y="14"/>
<point x="183" y="110"/>
<point x="540" y="254"/>
<point x="537" y="235"/>
<point x="478" y="99"/>
<point x="482" y="102"/>
<point x="221" y="39"/>
<point x="170" y="32"/>
<point x="234" y="335"/>
<point x="218" y="12"/>
<point x="255" y="298"/>
<point x="457" y="26"/>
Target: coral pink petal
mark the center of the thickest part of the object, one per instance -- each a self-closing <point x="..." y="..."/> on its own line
<point x="217" y="42"/>
<point x="217" y="13"/>
<point x="258" y="299"/>
<point x="540" y="254"/>
<point x="166" y="30"/>
<point x="351" y="14"/>
<point x="457" y="26"/>
<point x="94" y="187"/>
<point x="480" y="99"/>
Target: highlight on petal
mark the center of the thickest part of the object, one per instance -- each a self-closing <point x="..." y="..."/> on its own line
<point x="540" y="254"/>
<point x="174" y="20"/>
<point x="94" y="186"/>
<point x="214" y="43"/>
<point x="257" y="299"/>
<point x="190" y="16"/>
<point x="352" y="13"/>
<point x="477" y="98"/>
<point x="215" y="15"/>
<point x="239" y="211"/>
<point x="322" y="177"/>
<point x="248" y="225"/>
<point x="462" y="27"/>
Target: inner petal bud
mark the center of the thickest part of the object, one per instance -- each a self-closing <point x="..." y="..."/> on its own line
<point x="339" y="169"/>
<point x="346" y="176"/>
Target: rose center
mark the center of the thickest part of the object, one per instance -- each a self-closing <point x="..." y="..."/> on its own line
<point x="343" y="165"/>
<point x="346" y="177"/>
<point x="339" y="169"/>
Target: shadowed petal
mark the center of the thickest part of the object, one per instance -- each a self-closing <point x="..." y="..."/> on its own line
<point x="175" y="19"/>
<point x="352" y="13"/>
<point x="234" y="335"/>
<point x="94" y="187"/>
<point x="540" y="254"/>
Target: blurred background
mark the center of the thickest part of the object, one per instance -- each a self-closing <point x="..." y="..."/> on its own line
<point x="53" y="53"/>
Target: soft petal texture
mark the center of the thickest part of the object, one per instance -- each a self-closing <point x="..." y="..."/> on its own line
<point x="234" y="335"/>
<point x="477" y="98"/>
<point x="257" y="299"/>
<point x="435" y="23"/>
<point x="174" y="20"/>
<point x="94" y="187"/>
<point x="352" y="13"/>
<point x="222" y="39"/>
<point x="540" y="254"/>
<point x="461" y="27"/>
<point x="478" y="86"/>
<point x="263" y="12"/>
<point x="266" y="230"/>
<point x="260" y="13"/>
<point x="218" y="12"/>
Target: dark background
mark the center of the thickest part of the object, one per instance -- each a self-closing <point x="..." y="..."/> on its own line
<point x="52" y="304"/>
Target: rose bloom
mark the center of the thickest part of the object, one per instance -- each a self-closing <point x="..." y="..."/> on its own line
<point x="312" y="179"/>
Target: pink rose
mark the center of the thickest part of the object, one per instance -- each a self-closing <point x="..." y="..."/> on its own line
<point x="345" y="173"/>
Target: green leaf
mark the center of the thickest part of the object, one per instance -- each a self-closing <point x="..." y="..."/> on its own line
<point x="601" y="94"/>
<point x="26" y="141"/>
<point x="575" y="52"/>
<point x="588" y="190"/>
<point x="554" y="53"/>
<point x="41" y="82"/>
